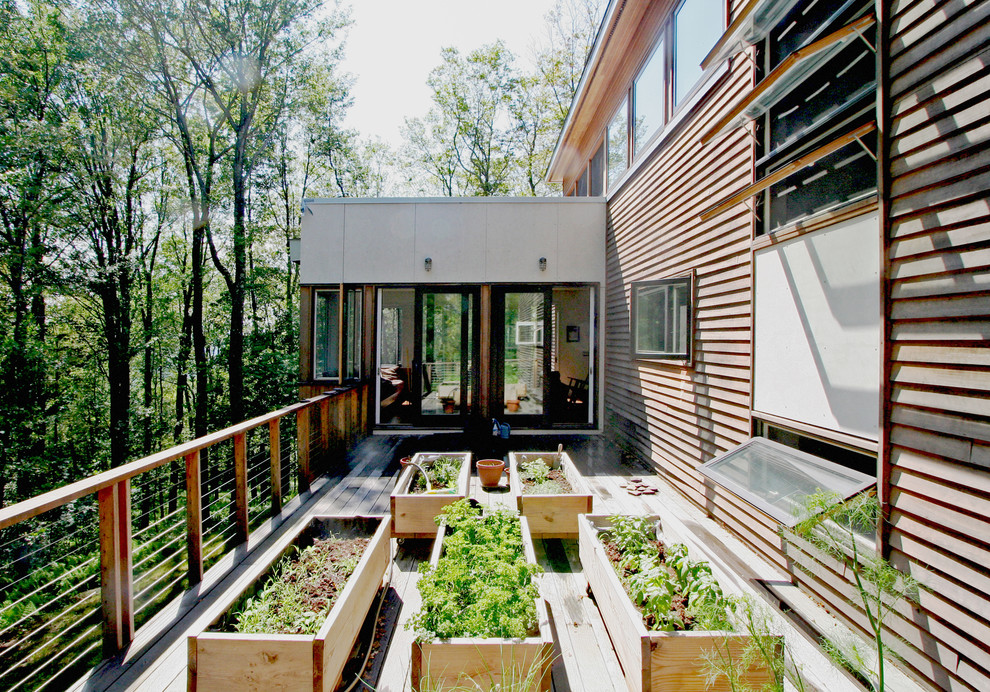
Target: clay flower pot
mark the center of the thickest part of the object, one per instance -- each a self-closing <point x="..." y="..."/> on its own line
<point x="490" y="472"/>
<point x="512" y="405"/>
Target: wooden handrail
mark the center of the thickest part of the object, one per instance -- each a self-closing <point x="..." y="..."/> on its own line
<point x="16" y="513"/>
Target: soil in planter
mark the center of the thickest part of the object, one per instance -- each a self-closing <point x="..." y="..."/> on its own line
<point x="538" y="478"/>
<point x="443" y="472"/>
<point x="302" y="589"/>
<point x="660" y="580"/>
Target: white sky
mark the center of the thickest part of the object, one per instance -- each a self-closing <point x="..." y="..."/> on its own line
<point x="393" y="44"/>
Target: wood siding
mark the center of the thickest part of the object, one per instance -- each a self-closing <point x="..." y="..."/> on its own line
<point x="673" y="414"/>
<point x="937" y="246"/>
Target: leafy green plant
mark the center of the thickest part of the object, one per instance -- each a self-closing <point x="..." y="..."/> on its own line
<point x="672" y="591"/>
<point x="837" y="527"/>
<point x="296" y="598"/>
<point x="482" y="586"/>
<point x="442" y="472"/>
<point x="535" y="470"/>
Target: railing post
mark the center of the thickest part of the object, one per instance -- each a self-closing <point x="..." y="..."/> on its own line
<point x="276" y="454"/>
<point x="115" y="566"/>
<point x="325" y="429"/>
<point x="302" y="447"/>
<point x="194" y="518"/>
<point x="240" y="487"/>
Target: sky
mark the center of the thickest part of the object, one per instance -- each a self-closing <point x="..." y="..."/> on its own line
<point x="394" y="44"/>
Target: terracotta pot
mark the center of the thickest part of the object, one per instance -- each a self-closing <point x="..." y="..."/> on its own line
<point x="490" y="472"/>
<point x="512" y="405"/>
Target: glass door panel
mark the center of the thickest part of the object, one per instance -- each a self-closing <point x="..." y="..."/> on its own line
<point x="396" y="345"/>
<point x="523" y="350"/>
<point x="447" y="355"/>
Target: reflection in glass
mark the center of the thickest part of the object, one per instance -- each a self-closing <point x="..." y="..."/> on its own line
<point x="395" y="353"/>
<point x="648" y="99"/>
<point x="618" y="144"/>
<point x="698" y="24"/>
<point x="327" y="337"/>
<point x="523" y="369"/>
<point x="448" y="370"/>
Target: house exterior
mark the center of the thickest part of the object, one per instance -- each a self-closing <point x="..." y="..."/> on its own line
<point x="456" y="310"/>
<point x="797" y="250"/>
<point x="770" y="267"/>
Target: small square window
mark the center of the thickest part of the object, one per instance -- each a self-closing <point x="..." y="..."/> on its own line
<point x="661" y="318"/>
<point x="529" y="333"/>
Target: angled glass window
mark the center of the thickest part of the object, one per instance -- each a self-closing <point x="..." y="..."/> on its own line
<point x="661" y="318"/>
<point x="596" y="172"/>
<point x="648" y="99"/>
<point x="698" y="24"/>
<point x="777" y="479"/>
<point x="618" y="144"/>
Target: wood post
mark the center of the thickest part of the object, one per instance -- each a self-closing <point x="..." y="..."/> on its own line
<point x="240" y="487"/>
<point x="194" y="518"/>
<point x="115" y="566"/>
<point x="302" y="447"/>
<point x="276" y="454"/>
<point x="325" y="431"/>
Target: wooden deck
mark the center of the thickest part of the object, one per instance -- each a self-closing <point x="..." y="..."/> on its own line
<point x="585" y="660"/>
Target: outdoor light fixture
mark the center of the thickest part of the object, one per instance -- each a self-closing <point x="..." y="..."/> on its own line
<point x="428" y="264"/>
<point x="543" y="264"/>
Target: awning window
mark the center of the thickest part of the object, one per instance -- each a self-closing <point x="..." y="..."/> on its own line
<point x="791" y="72"/>
<point x="752" y="24"/>
<point x="777" y="479"/>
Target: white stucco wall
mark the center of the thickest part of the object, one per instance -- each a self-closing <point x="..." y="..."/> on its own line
<point x="470" y="240"/>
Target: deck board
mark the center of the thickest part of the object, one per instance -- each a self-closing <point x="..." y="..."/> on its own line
<point x="586" y="661"/>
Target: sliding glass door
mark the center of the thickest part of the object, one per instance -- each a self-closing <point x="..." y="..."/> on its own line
<point x="446" y="355"/>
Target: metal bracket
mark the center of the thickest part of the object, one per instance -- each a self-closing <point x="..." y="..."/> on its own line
<point x="868" y="44"/>
<point x="866" y="149"/>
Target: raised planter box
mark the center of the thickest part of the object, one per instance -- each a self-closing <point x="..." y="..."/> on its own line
<point x="453" y="661"/>
<point x="653" y="661"/>
<point x="235" y="662"/>
<point x="551" y="516"/>
<point x="413" y="514"/>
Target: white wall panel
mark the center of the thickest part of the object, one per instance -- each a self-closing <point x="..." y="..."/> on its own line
<point x="817" y="337"/>
<point x="323" y="246"/>
<point x="580" y="248"/>
<point x="379" y="242"/>
<point x="453" y="236"/>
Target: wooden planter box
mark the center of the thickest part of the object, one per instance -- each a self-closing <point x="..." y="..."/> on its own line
<point x="551" y="516"/>
<point x="451" y="661"/>
<point x="231" y="662"/>
<point x="653" y="661"/>
<point x="413" y="514"/>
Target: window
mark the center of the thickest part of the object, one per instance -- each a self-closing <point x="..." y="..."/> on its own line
<point x="661" y="318"/>
<point x="618" y="144"/>
<point x="529" y="333"/>
<point x="837" y="97"/>
<point x="649" y="99"/>
<point x="698" y="24"/>
<point x="327" y="338"/>
<point x="582" y="184"/>
<point x="596" y="171"/>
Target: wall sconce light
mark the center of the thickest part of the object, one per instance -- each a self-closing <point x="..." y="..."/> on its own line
<point x="543" y="264"/>
<point x="428" y="264"/>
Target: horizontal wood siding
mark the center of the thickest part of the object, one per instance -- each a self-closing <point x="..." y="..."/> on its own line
<point x="937" y="426"/>
<point x="673" y="415"/>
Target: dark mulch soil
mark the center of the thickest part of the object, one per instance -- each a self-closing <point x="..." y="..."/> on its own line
<point x="555" y="475"/>
<point x="322" y="581"/>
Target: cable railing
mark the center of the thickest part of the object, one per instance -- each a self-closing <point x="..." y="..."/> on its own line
<point x="84" y="565"/>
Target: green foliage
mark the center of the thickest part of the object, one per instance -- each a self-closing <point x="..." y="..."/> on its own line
<point x="842" y="530"/>
<point x="672" y="591"/>
<point x="482" y="586"/>
<point x="442" y="472"/>
<point x="285" y="604"/>
<point x="535" y="470"/>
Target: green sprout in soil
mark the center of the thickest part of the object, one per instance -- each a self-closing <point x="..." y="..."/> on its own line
<point x="539" y="479"/>
<point x="672" y="591"/>
<point x="302" y="589"/>
<point x="482" y="586"/>
<point x="442" y="472"/>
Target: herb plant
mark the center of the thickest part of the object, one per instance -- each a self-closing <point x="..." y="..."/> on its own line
<point x="672" y="591"/>
<point x="482" y="586"/>
<point x="302" y="589"/>
<point x="442" y="472"/>
<point x="537" y="476"/>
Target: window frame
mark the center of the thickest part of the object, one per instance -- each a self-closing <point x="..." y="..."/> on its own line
<point x="685" y="356"/>
<point x="343" y="335"/>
